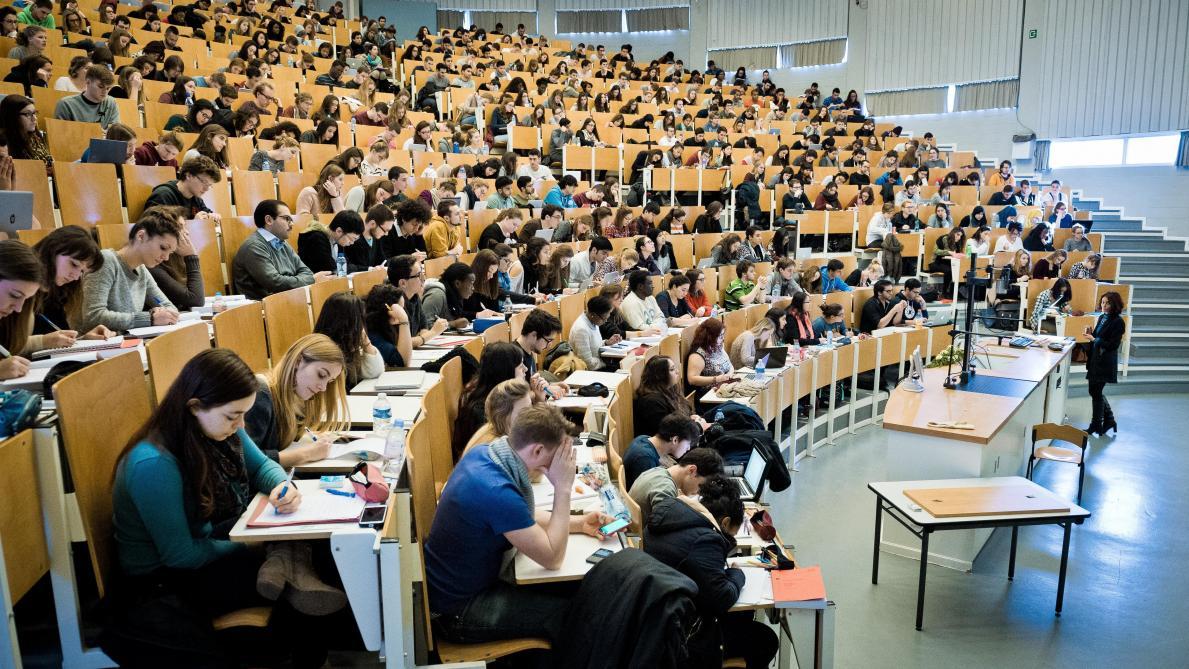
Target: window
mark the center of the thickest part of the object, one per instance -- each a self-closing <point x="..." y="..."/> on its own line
<point x="1139" y="150"/>
<point x="1152" y="150"/>
<point x="1086" y="153"/>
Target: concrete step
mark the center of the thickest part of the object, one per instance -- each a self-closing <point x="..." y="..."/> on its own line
<point x="1172" y="292"/>
<point x="1136" y="382"/>
<point x="1144" y="265"/>
<point x="1124" y="225"/>
<point x="1160" y="349"/>
<point x="1141" y="244"/>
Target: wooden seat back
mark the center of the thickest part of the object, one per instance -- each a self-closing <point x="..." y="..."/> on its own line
<point x="170" y="352"/>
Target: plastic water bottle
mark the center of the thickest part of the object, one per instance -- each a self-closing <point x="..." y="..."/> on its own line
<point x="219" y="305"/>
<point x="381" y="415"/>
<point x="352" y="124"/>
<point x="456" y="147"/>
<point x="394" y="443"/>
<point x="797" y="352"/>
<point x="718" y="416"/>
<point x="506" y="305"/>
<point x="340" y="264"/>
<point x="761" y="367"/>
<point x="829" y="338"/>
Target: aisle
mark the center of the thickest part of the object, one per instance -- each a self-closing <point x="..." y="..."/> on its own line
<point x="1124" y="600"/>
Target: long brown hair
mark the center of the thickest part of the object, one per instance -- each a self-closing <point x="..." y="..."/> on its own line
<point x="323" y="412"/>
<point x="481" y="265"/>
<point x="18" y="263"/>
<point x="164" y="221"/>
<point x="212" y="378"/>
<point x="76" y="243"/>
<point x="342" y="319"/>
<point x="654" y="379"/>
<point x="556" y="276"/>
<point x="204" y="144"/>
<point x="329" y="171"/>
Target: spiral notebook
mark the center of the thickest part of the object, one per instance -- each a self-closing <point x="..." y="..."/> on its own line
<point x="317" y="507"/>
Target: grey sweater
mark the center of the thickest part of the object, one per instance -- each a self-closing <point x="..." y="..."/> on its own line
<point x="118" y="296"/>
<point x="75" y="108"/>
<point x="259" y="270"/>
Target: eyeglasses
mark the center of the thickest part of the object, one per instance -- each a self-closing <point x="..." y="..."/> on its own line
<point x="29" y="114"/>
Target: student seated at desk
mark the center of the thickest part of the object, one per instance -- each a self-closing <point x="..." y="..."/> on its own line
<point x="122" y="294"/>
<point x="640" y="310"/>
<point x="695" y="536"/>
<point x="539" y="332"/>
<point x="407" y="274"/>
<point x="659" y="395"/>
<point x="682" y="478"/>
<point x="487" y="507"/>
<point x="343" y="319"/>
<point x="319" y="246"/>
<point x="614" y="325"/>
<point x="388" y="326"/>
<point x="914" y="305"/>
<point x="501" y="361"/>
<point x="745" y="289"/>
<point x="305" y="394"/>
<point x="180" y="276"/>
<point x="181" y="484"/>
<point x="798" y="328"/>
<point x="1018" y="270"/>
<point x="832" y="320"/>
<point x="585" y="339"/>
<point x="697" y="298"/>
<point x="490" y="290"/>
<point x="708" y="365"/>
<point x="449" y="298"/>
<point x="1058" y="296"/>
<point x="672" y="304"/>
<point x="21" y="277"/>
<point x="663" y="447"/>
<point x="67" y="255"/>
<point x="264" y="263"/>
<point x="503" y="404"/>
<point x="766" y="333"/>
<point x="879" y="311"/>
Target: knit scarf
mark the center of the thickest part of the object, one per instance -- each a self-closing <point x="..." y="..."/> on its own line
<point x="501" y="453"/>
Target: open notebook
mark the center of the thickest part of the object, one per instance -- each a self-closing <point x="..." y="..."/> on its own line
<point x="317" y="507"/>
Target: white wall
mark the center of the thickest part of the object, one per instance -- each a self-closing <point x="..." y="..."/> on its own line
<point x="1160" y="194"/>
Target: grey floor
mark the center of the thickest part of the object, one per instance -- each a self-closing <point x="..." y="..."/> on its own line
<point x="1127" y="590"/>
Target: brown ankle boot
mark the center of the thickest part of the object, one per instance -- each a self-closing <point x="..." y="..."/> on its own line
<point x="276" y="571"/>
<point x="308" y="593"/>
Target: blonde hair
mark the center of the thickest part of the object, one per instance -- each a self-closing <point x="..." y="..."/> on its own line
<point x="628" y="256"/>
<point x="326" y="411"/>
<point x="763" y="327"/>
<point x="498" y="407"/>
<point x="875" y="264"/>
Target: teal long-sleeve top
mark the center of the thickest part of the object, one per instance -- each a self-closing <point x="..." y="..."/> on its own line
<point x="152" y="526"/>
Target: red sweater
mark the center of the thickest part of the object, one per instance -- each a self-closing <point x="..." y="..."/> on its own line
<point x="146" y="154"/>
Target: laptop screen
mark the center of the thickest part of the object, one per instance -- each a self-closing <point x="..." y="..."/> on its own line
<point x="754" y="472"/>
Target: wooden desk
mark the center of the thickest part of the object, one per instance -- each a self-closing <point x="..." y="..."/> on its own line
<point x="404" y="407"/>
<point x="1022" y="387"/>
<point x="890" y="497"/>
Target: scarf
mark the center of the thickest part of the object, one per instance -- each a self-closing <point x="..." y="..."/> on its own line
<point x="501" y="453"/>
<point x="229" y="479"/>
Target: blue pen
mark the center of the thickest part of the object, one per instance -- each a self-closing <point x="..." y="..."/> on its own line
<point x="47" y="320"/>
<point x="285" y="488"/>
<point x="340" y="493"/>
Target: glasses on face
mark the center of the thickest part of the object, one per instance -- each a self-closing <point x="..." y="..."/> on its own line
<point x="29" y="114"/>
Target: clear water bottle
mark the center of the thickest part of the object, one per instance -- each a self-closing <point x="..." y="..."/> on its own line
<point x="381" y="415"/>
<point x="612" y="505"/>
<point x="352" y="124"/>
<point x="456" y="147"/>
<point x="219" y="305"/>
<point x="506" y="305"/>
<point x="797" y="352"/>
<point x="761" y="367"/>
<point x="830" y="338"/>
<point x="340" y="264"/>
<point x="394" y="444"/>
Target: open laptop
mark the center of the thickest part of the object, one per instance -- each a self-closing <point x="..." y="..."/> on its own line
<point x="545" y="234"/>
<point x="108" y="151"/>
<point x="16" y="211"/>
<point x="751" y="484"/>
<point x="777" y="356"/>
<point x="611" y="278"/>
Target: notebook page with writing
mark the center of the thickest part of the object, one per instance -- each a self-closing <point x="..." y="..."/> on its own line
<point x="317" y="506"/>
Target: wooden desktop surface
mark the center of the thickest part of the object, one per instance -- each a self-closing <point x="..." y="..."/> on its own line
<point x="1002" y="500"/>
<point x="911" y="412"/>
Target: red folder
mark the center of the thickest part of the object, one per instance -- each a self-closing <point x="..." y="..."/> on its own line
<point x="801" y="588"/>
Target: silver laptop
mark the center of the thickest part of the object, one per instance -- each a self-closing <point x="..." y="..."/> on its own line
<point x="611" y="278"/>
<point x="16" y="211"/>
<point x="108" y="151"/>
<point x="545" y="234"/>
<point x="402" y="380"/>
<point x="751" y="484"/>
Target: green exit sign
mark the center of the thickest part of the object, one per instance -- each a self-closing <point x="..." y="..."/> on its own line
<point x="1032" y="34"/>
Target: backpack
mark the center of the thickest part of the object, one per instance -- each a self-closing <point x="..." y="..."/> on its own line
<point x="1003" y="317"/>
<point x="18" y="410"/>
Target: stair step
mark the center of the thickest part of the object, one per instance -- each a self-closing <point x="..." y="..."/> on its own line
<point x="1154" y="266"/>
<point x="1127" y="225"/>
<point x="1161" y="348"/>
<point x="1141" y="244"/>
<point x="1169" y="293"/>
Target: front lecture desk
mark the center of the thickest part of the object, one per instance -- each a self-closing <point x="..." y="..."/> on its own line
<point x="1012" y="390"/>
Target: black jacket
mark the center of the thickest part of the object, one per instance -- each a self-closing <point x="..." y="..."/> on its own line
<point x="1104" y="350"/>
<point x="644" y="625"/>
<point x="684" y="539"/>
<point x="317" y="251"/>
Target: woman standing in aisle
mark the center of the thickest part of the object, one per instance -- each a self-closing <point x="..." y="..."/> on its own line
<point x="1103" y="366"/>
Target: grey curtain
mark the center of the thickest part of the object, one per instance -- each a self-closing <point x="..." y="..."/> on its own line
<point x="662" y="18"/>
<point x="1040" y="155"/>
<point x="987" y="95"/>
<point x="487" y="20"/>
<point x="610" y="21"/>
<point x="912" y="101"/>
<point x="1183" y="150"/>
<point x="755" y="58"/>
<point x="809" y="54"/>
<point x="450" y="18"/>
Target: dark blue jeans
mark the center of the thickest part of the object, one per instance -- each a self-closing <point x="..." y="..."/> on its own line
<point x="506" y="611"/>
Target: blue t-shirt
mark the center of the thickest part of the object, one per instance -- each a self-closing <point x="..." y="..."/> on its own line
<point x="639" y="458"/>
<point x="466" y="543"/>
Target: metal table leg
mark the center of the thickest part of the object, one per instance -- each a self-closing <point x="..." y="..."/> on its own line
<point x="818" y="623"/>
<point x="878" y="529"/>
<point x="1064" y="563"/>
<point x="921" y="579"/>
<point x="1011" y="562"/>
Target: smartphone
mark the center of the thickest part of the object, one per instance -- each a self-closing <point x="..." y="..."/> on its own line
<point x="373" y="516"/>
<point x="599" y="555"/>
<point x="614" y="526"/>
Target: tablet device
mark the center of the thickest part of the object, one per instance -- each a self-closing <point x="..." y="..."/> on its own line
<point x="108" y="151"/>
<point x="545" y="234"/>
<point x="16" y="211"/>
